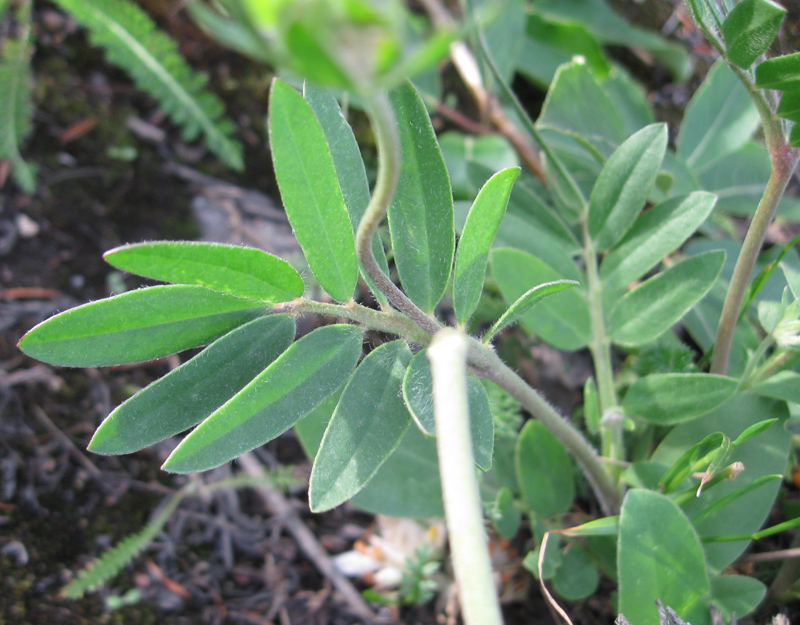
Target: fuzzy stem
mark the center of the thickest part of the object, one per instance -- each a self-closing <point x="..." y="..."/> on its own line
<point x="784" y="160"/>
<point x="486" y="363"/>
<point x="462" y="502"/>
<point x="382" y="117"/>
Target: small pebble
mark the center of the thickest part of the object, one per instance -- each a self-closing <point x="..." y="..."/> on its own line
<point x="26" y="227"/>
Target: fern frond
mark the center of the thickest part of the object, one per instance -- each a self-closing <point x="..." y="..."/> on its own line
<point x="133" y="42"/>
<point x="108" y="565"/>
<point x="16" y="109"/>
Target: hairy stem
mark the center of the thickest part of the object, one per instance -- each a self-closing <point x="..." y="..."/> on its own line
<point x="784" y="161"/>
<point x="460" y="495"/>
<point x="383" y="123"/>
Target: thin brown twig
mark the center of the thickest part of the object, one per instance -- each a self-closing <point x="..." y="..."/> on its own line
<point x="90" y="466"/>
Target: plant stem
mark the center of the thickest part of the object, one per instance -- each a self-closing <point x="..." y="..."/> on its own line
<point x="488" y="364"/>
<point x="462" y="503"/>
<point x="610" y="432"/>
<point x="382" y="117"/>
<point x="784" y="160"/>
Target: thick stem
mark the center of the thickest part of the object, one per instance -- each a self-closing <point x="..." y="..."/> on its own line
<point x="384" y="126"/>
<point x="784" y="161"/>
<point x="486" y="363"/>
<point x="460" y="494"/>
<point x="600" y="347"/>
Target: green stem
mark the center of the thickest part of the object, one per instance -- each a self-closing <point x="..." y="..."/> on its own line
<point x="784" y="161"/>
<point x="488" y="364"/>
<point x="773" y="364"/>
<point x="460" y="495"/>
<point x="383" y="122"/>
<point x="600" y="347"/>
<point x="748" y="378"/>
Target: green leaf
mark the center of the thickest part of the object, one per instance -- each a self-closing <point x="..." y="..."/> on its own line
<point x="783" y="385"/>
<point x="719" y="119"/>
<point x="138" y="326"/>
<point x="16" y="109"/>
<point x="368" y="424"/>
<point x="659" y="556"/>
<point x="525" y="303"/>
<point x="657" y="304"/>
<point x="505" y="515"/>
<point x="655" y="234"/>
<point x="233" y="269"/>
<point x="794" y="136"/>
<point x="576" y="578"/>
<point x="780" y="73"/>
<point x="544" y="471"/>
<point x="490" y="153"/>
<point x="132" y="41"/>
<point x="734" y="495"/>
<point x="576" y="104"/>
<point x="310" y="191"/>
<point x="396" y="489"/>
<point x="287" y="390"/>
<point x="789" y="106"/>
<point x="749" y="30"/>
<point x="347" y="162"/>
<point x="624" y="185"/>
<point x="421" y="212"/>
<point x="476" y="239"/>
<point x="736" y="595"/>
<point x="670" y="398"/>
<point x="762" y="455"/>
<point x="418" y="396"/>
<point x="629" y="99"/>
<point x="187" y="395"/>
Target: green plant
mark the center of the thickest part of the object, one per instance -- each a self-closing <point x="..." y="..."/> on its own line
<point x="613" y="249"/>
<point x="131" y="41"/>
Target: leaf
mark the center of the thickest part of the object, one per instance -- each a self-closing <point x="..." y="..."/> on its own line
<point x="138" y="326"/>
<point x="504" y="33"/>
<point x="476" y="239"/>
<point x="780" y="73"/>
<point x="310" y="192"/>
<point x="489" y="153"/>
<point x="421" y="212"/>
<point x="719" y="119"/>
<point x="736" y="595"/>
<point x="659" y="557"/>
<point x="764" y="454"/>
<point x="16" y="109"/>
<point x="576" y="578"/>
<point x="561" y="321"/>
<point x="629" y="99"/>
<point x="657" y="304"/>
<point x="287" y="390"/>
<point x="368" y="424"/>
<point x="132" y="41"/>
<point x="347" y="162"/>
<point x="789" y="106"/>
<point x="525" y="303"/>
<point x="187" y="395"/>
<point x="624" y="184"/>
<point x="783" y="385"/>
<point x="655" y="234"/>
<point x="418" y="396"/>
<point x="504" y="514"/>
<point x="670" y="398"/>
<point x="544" y="471"/>
<point x="749" y="30"/>
<point x="396" y="489"/>
<point x="233" y="269"/>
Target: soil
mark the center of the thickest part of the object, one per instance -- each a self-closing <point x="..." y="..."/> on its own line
<point x="222" y="558"/>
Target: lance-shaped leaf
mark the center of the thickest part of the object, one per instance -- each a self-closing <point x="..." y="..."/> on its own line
<point x="781" y="73"/>
<point x="789" y="106"/>
<point x="292" y="386"/>
<point x="659" y="556"/>
<point x="310" y="191"/>
<point x="138" y="326"/>
<point x="749" y="30"/>
<point x="655" y="233"/>
<point x="233" y="269"/>
<point x="368" y="424"/>
<point x="525" y="302"/>
<point x="483" y="220"/>
<point x="657" y="304"/>
<point x="669" y="398"/>
<point x="187" y="395"/>
<point x="347" y="162"/>
<point x="421" y="212"/>
<point x="418" y="395"/>
<point x="624" y="183"/>
<point x="561" y="321"/>
<point x="544" y="471"/>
